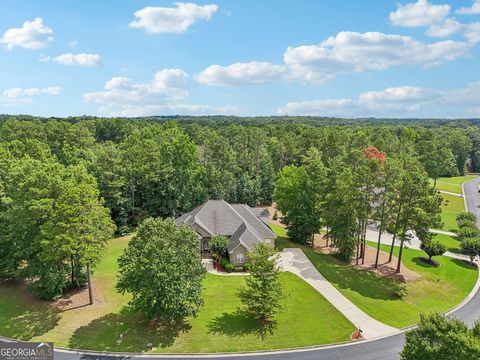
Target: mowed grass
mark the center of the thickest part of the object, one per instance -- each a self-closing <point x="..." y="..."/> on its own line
<point x="451" y="243"/>
<point x="307" y="318"/>
<point x="452" y="205"/>
<point x="439" y="289"/>
<point x="452" y="184"/>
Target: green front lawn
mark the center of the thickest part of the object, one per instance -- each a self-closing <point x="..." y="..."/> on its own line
<point x="451" y="243"/>
<point x="439" y="289"/>
<point x="307" y="319"/>
<point x="452" y="184"/>
<point x="452" y="205"/>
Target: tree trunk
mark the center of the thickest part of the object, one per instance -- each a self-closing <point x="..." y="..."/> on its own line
<point x="358" y="248"/>
<point x="378" y="246"/>
<point x="402" y="240"/>
<point x="391" y="247"/>
<point x="72" y="274"/>
<point x="364" y="241"/>
<point x="380" y="233"/>
<point x="434" y="182"/>
<point x="395" y="231"/>
<point x="90" y="292"/>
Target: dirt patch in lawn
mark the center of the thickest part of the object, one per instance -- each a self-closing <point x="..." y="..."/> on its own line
<point x="78" y="298"/>
<point x="385" y="268"/>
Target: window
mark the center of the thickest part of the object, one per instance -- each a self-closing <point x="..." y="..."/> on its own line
<point x="240" y="258"/>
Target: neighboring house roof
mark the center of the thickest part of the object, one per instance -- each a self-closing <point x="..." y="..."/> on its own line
<point x="239" y="222"/>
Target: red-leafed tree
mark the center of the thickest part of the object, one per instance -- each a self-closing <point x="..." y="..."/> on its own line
<point x="372" y="152"/>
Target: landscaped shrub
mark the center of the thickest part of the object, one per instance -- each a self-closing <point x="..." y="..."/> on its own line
<point x="247" y="267"/>
<point x="400" y="291"/>
<point x="224" y="262"/>
<point x="229" y="268"/>
<point x="275" y="215"/>
<point x="238" y="269"/>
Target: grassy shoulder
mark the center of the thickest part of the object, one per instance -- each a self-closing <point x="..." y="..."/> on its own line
<point x="452" y="184"/>
<point x="452" y="205"/>
<point x="451" y="243"/>
<point x="439" y="289"/>
<point x="220" y="327"/>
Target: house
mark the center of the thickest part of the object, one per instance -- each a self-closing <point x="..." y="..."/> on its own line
<point x="243" y="225"/>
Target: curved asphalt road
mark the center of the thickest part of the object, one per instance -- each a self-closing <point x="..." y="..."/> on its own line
<point x="382" y="349"/>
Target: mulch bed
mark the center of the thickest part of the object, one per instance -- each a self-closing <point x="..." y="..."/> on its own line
<point x="430" y="262"/>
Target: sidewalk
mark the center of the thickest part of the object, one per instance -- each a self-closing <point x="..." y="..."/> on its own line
<point x="295" y="261"/>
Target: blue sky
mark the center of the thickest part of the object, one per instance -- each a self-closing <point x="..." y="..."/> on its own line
<point x="331" y="58"/>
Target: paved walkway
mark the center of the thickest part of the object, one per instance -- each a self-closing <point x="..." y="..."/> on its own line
<point x="450" y="193"/>
<point x="295" y="261"/>
<point x="436" y="231"/>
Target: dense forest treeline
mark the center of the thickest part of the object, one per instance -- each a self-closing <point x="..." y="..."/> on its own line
<point x="164" y="168"/>
<point x="221" y="120"/>
<point x="58" y="177"/>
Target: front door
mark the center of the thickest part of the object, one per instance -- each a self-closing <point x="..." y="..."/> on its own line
<point x="205" y="247"/>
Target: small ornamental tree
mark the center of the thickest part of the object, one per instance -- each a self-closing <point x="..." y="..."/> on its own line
<point x="466" y="219"/>
<point x="468" y="232"/>
<point x="433" y="248"/>
<point x="470" y="247"/>
<point x="218" y="246"/>
<point x="439" y="338"/>
<point x="162" y="269"/>
<point x="263" y="291"/>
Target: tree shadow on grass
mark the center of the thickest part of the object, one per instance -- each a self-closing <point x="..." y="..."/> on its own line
<point x="239" y="324"/>
<point x="345" y="276"/>
<point x="23" y="315"/>
<point x="466" y="264"/>
<point x="127" y="331"/>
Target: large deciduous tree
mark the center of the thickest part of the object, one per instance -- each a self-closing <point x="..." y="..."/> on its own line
<point x="299" y="194"/>
<point x="162" y="269"/>
<point x="439" y="338"/>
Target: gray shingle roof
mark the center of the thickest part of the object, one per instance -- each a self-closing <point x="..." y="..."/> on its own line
<point x="237" y="221"/>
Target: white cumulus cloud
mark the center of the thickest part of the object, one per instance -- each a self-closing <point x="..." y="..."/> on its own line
<point x="167" y="84"/>
<point x="356" y="52"/>
<point x="346" y="52"/>
<point x="163" y="95"/>
<point x="473" y="10"/>
<point x="437" y="20"/>
<point x="421" y="13"/>
<point x="402" y="101"/>
<point x="171" y="109"/>
<point x="19" y="92"/>
<point x="241" y="73"/>
<point x="32" y="35"/>
<point x="69" y="59"/>
<point x="172" y="19"/>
